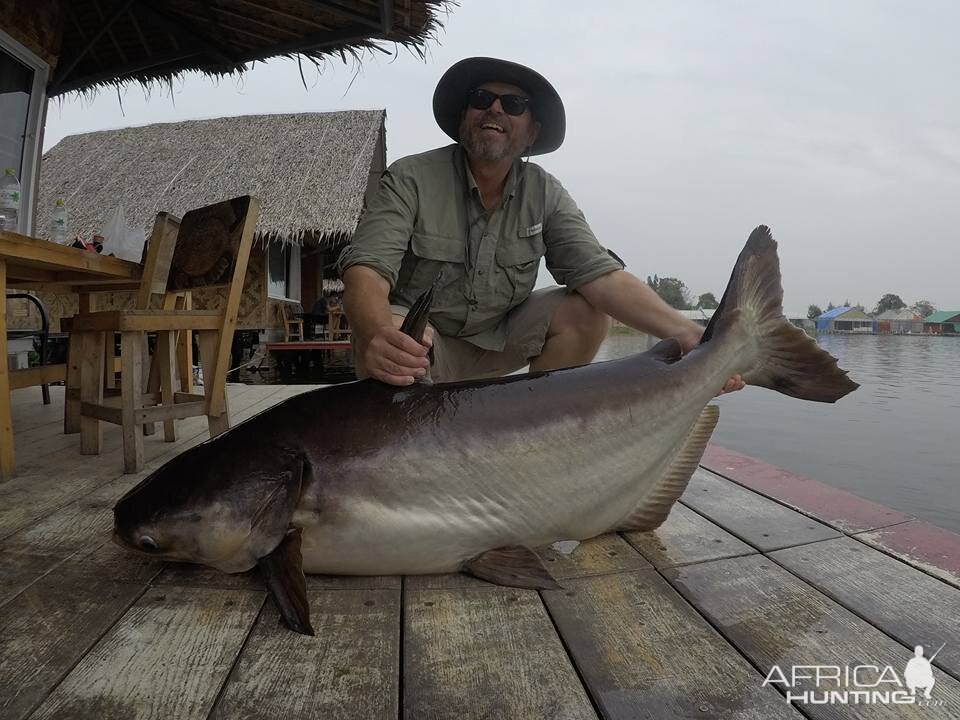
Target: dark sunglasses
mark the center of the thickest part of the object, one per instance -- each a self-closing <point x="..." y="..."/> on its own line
<point x="512" y="104"/>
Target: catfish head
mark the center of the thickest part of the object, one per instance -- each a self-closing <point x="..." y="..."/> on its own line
<point x="222" y="503"/>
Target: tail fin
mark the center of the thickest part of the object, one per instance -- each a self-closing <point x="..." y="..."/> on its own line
<point x="788" y="360"/>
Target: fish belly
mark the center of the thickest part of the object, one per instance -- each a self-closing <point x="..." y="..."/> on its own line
<point x="430" y="509"/>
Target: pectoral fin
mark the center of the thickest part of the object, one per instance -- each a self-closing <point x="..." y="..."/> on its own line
<point x="515" y="566"/>
<point x="283" y="573"/>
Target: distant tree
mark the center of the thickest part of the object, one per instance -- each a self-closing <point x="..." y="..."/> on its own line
<point x="860" y="307"/>
<point x="707" y="302"/>
<point x="923" y="308"/>
<point x="889" y="302"/>
<point x="831" y="306"/>
<point x="671" y="290"/>
<point x="813" y="312"/>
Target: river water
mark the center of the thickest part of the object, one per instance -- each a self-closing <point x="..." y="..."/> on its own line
<point x="895" y="440"/>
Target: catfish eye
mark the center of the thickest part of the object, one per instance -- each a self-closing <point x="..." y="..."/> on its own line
<point x="148" y="543"/>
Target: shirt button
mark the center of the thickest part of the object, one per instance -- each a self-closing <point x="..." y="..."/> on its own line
<point x="479" y="272"/>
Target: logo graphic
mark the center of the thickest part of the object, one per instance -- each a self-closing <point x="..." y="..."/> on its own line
<point x="859" y="684"/>
<point x="919" y="673"/>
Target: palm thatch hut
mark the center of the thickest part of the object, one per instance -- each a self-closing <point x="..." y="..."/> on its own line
<point x="52" y="47"/>
<point x="311" y="172"/>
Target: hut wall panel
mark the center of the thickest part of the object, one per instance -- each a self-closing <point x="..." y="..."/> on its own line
<point x="35" y="24"/>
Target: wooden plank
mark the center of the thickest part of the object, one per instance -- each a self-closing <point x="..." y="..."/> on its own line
<point x="926" y="547"/>
<point x="148" y="320"/>
<point x="166" y="658"/>
<point x="485" y="653"/>
<point x="830" y="505"/>
<point x="41" y="375"/>
<point x="598" y="556"/>
<point x="775" y="619"/>
<point x="202" y="576"/>
<point x="763" y="523"/>
<point x="913" y="607"/>
<point x="349" y="671"/>
<point x="169" y="413"/>
<point x="64" y="478"/>
<point x="644" y="652"/>
<point x="686" y="538"/>
<point x="28" y="252"/>
<point x="103" y="412"/>
<point x="48" y="628"/>
<point x="447" y="581"/>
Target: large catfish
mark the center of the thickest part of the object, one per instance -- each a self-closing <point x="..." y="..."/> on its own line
<point x="371" y="479"/>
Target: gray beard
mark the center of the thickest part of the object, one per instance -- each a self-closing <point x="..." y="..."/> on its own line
<point x="486" y="149"/>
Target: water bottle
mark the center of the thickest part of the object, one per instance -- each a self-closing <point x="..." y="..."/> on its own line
<point x="9" y="201"/>
<point x="58" y="223"/>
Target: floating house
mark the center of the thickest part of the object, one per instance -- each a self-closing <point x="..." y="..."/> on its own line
<point x="899" y="322"/>
<point x="942" y="322"/>
<point x="311" y="172"/>
<point x="845" y="320"/>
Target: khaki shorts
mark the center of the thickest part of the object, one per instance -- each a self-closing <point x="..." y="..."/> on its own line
<point x="455" y="359"/>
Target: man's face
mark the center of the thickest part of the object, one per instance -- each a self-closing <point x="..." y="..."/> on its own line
<point x="492" y="135"/>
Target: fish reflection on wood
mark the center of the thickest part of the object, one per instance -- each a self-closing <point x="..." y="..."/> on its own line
<point x="371" y="479"/>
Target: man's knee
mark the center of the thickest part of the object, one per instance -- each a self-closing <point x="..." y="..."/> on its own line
<point x="575" y="315"/>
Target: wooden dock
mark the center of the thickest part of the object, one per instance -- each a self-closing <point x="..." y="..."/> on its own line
<point x="755" y="568"/>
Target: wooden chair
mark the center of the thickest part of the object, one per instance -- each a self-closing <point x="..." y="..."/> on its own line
<point x="210" y="247"/>
<point x="291" y="315"/>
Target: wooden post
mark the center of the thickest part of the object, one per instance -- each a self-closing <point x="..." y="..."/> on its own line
<point x="217" y="420"/>
<point x="165" y="358"/>
<point x="185" y="349"/>
<point x="6" y="422"/>
<point x="91" y="390"/>
<point x="131" y="387"/>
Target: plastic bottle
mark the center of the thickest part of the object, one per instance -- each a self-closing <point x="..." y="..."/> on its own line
<point x="58" y="223"/>
<point x="9" y="201"/>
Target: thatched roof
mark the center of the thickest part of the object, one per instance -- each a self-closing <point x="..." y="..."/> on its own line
<point x="309" y="170"/>
<point x="118" y="41"/>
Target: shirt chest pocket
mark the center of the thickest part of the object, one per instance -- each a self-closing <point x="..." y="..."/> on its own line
<point x="441" y="256"/>
<point x="517" y="263"/>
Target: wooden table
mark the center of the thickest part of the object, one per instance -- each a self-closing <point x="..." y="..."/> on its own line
<point x="27" y="263"/>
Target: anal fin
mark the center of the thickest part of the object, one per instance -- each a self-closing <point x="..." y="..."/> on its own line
<point x="514" y="566"/>
<point x="656" y="505"/>
<point x="283" y="573"/>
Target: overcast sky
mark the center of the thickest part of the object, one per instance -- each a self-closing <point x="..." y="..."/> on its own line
<point x="688" y="123"/>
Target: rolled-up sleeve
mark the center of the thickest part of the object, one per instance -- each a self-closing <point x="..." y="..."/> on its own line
<point x="383" y="233"/>
<point x="574" y="256"/>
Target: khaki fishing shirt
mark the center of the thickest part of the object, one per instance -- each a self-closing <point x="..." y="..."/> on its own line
<point x="427" y="220"/>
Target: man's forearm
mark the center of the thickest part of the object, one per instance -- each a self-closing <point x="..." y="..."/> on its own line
<point x="366" y="301"/>
<point x="627" y="298"/>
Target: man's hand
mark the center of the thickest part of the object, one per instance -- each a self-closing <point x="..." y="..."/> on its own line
<point x="394" y="357"/>
<point x="689" y="338"/>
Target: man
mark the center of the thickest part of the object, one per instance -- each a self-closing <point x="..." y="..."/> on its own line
<point x="476" y="219"/>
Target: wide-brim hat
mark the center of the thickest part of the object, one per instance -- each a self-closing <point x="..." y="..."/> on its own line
<point x="450" y="97"/>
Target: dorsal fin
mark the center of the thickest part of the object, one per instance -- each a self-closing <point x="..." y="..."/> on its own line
<point x="656" y="504"/>
<point x="415" y="323"/>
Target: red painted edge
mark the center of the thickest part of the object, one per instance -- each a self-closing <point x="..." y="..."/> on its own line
<point x="837" y="508"/>
<point x="922" y="545"/>
<point x="310" y="345"/>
